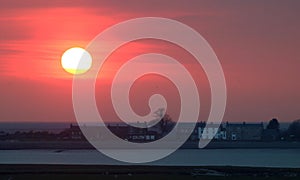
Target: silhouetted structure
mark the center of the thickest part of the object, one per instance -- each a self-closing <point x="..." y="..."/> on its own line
<point x="271" y="135"/>
<point x="72" y="133"/>
<point x="293" y="132"/>
<point x="120" y="130"/>
<point x="244" y="132"/>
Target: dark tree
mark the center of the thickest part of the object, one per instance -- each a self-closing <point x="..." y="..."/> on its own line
<point x="273" y="124"/>
<point x="166" y="124"/>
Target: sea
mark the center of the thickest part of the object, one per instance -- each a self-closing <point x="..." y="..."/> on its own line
<point x="283" y="158"/>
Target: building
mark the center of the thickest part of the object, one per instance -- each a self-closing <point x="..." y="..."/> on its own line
<point x="185" y="130"/>
<point x="211" y="131"/>
<point x="244" y="132"/>
<point x="142" y="136"/>
<point x="120" y="130"/>
<point x="3" y="135"/>
<point x="271" y="135"/>
<point x="136" y="134"/>
<point x="72" y="133"/>
<point x="201" y="130"/>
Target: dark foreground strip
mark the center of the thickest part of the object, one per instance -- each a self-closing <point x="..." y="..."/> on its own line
<point x="137" y="170"/>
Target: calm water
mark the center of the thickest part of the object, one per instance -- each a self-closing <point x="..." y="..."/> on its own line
<point x="182" y="157"/>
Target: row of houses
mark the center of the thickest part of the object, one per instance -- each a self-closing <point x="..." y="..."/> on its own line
<point x="122" y="131"/>
<point x="224" y="132"/>
<point x="238" y="132"/>
<point x="233" y="132"/>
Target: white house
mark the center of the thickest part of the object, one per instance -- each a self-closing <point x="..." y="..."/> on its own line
<point x="212" y="131"/>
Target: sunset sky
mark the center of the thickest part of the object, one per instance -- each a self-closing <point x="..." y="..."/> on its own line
<point x="257" y="43"/>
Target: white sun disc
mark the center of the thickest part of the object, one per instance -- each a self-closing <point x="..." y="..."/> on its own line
<point x="76" y="60"/>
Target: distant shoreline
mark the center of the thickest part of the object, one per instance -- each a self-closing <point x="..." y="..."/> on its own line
<point x="19" y="145"/>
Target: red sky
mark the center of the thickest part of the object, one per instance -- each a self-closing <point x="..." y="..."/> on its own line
<point x="256" y="42"/>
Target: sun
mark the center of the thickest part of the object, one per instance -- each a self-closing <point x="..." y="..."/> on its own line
<point x="76" y="60"/>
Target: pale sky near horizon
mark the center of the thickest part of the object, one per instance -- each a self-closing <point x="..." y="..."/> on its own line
<point x="257" y="43"/>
